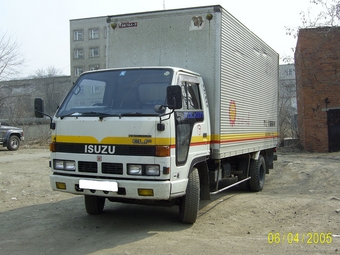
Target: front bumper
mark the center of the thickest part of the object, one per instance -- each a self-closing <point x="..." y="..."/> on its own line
<point x="127" y="189"/>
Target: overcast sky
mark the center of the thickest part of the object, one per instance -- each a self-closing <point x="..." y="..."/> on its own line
<point x="41" y="27"/>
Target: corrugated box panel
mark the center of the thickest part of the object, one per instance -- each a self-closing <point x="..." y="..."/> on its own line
<point x="249" y="87"/>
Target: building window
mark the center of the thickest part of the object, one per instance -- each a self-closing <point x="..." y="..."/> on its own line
<point x="94" y="67"/>
<point x="94" y="52"/>
<point x="78" y="71"/>
<point x="95" y="90"/>
<point x="94" y="33"/>
<point x="78" y="35"/>
<point x="78" y="53"/>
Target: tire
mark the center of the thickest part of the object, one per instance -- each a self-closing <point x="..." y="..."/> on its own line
<point x="257" y="173"/>
<point x="13" y="143"/>
<point x="189" y="204"/>
<point x="94" y="204"/>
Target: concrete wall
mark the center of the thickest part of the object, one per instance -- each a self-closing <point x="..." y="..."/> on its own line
<point x="17" y="96"/>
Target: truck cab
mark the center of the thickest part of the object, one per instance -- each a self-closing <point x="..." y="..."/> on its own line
<point x="131" y="134"/>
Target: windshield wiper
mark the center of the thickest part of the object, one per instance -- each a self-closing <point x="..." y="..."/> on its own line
<point x="73" y="114"/>
<point x="136" y="114"/>
<point x="101" y="115"/>
<point x="131" y="114"/>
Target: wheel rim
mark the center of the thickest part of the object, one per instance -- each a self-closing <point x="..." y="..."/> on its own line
<point x="14" y="143"/>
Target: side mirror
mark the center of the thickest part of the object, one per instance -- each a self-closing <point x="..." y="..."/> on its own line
<point x="174" y="97"/>
<point x="38" y="107"/>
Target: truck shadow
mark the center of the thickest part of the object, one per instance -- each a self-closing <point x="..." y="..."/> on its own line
<point x="64" y="227"/>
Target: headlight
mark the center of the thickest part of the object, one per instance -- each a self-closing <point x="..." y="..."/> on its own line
<point x="152" y="170"/>
<point x="68" y="165"/>
<point x="135" y="169"/>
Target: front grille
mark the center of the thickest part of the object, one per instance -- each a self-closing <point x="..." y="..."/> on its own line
<point x="112" y="168"/>
<point x="142" y="150"/>
<point x="87" y="167"/>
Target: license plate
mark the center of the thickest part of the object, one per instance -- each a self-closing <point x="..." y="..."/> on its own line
<point x="98" y="185"/>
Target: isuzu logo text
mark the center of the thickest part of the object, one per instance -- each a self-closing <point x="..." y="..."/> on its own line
<point x="100" y="149"/>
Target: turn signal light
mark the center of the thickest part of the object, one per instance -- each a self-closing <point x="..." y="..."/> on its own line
<point x="60" y="185"/>
<point x="53" y="147"/>
<point x="162" y="151"/>
<point x="145" y="192"/>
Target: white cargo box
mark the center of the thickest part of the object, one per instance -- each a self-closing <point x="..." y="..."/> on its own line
<point x="239" y="70"/>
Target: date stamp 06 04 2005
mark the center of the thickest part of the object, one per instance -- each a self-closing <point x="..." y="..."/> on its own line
<point x="302" y="238"/>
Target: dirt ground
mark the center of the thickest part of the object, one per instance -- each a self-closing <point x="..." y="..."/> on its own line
<point x="301" y="196"/>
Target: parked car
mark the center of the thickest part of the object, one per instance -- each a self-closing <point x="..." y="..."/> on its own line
<point x="11" y="137"/>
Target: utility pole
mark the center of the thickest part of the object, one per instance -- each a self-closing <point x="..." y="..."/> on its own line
<point x="163" y="4"/>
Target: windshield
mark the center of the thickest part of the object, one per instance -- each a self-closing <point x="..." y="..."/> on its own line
<point x="117" y="92"/>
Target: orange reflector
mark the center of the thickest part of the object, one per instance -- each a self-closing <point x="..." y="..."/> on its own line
<point x="52" y="147"/>
<point x="162" y="151"/>
<point x="145" y="192"/>
<point x="166" y="170"/>
<point x="60" y="185"/>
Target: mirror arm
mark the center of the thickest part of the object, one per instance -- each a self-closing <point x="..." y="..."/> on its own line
<point x="160" y="125"/>
<point x="52" y="125"/>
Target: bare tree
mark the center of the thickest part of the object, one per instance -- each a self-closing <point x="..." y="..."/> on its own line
<point x="10" y="60"/>
<point x="321" y="13"/>
<point x="10" y="56"/>
<point x="50" y="71"/>
<point x="329" y="15"/>
<point x="287" y="113"/>
<point x="49" y="87"/>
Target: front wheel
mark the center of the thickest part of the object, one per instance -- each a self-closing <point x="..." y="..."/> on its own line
<point x="257" y="174"/>
<point x="13" y="143"/>
<point x="94" y="204"/>
<point x="189" y="204"/>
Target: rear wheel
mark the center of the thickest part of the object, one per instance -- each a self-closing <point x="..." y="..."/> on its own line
<point x="257" y="174"/>
<point x="13" y="143"/>
<point x="94" y="204"/>
<point x="189" y="204"/>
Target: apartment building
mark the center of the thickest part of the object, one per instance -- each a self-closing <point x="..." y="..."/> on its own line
<point x="287" y="86"/>
<point x="287" y="104"/>
<point x="87" y="45"/>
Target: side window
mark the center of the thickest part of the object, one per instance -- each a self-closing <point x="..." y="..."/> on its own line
<point x="190" y="95"/>
<point x="188" y="116"/>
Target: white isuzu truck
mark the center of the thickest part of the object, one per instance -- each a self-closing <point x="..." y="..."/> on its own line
<point x="186" y="108"/>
